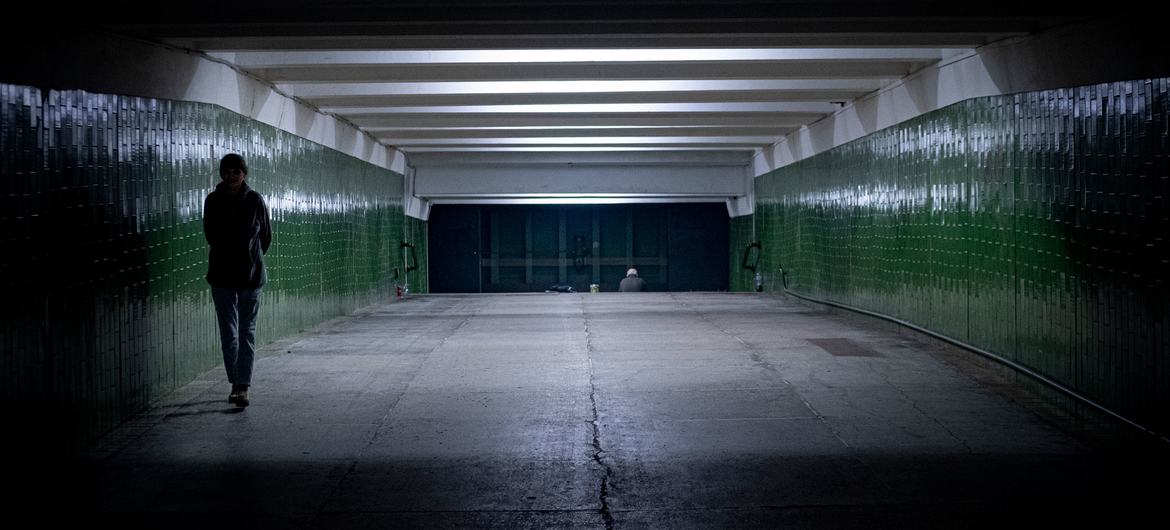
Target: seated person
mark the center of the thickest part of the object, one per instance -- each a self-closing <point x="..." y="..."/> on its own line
<point x="632" y="283"/>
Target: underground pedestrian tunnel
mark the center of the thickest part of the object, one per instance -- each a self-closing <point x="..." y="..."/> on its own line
<point x="905" y="265"/>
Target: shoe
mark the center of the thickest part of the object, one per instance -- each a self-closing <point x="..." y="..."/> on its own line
<point x="235" y="395"/>
<point x="242" y="399"/>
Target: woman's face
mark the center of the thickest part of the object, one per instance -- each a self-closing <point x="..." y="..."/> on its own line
<point x="233" y="175"/>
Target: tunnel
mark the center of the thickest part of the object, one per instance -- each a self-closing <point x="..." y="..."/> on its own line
<point x="902" y="264"/>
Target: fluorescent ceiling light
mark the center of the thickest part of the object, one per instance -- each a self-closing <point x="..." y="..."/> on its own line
<point x="379" y="128"/>
<point x="578" y="200"/>
<point x="585" y="140"/>
<point x="310" y="90"/>
<point x="564" y="149"/>
<point x="606" y="55"/>
<point x="807" y="107"/>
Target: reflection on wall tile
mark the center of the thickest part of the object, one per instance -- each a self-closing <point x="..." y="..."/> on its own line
<point x="1031" y="225"/>
<point x="105" y="256"/>
<point x="741" y="236"/>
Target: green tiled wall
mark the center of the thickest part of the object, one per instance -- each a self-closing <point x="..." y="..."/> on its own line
<point x="1031" y="225"/>
<point x="741" y="236"/>
<point x="104" y="258"/>
<point x="416" y="234"/>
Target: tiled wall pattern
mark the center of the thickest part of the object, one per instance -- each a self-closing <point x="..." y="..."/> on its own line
<point x="416" y="234"/>
<point x="741" y="236"/>
<point x="1031" y="225"/>
<point x="104" y="254"/>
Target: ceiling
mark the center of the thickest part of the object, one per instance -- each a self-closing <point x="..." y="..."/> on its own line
<point x="452" y="78"/>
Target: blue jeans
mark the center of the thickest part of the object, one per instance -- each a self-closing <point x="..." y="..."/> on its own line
<point x="236" y="310"/>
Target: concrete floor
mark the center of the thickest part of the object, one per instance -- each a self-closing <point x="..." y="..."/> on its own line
<point x="662" y="410"/>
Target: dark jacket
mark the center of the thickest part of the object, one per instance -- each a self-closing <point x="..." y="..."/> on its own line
<point x="632" y="284"/>
<point x="239" y="231"/>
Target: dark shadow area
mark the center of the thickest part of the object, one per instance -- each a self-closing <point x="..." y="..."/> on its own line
<point x="508" y="249"/>
<point x="229" y="409"/>
<point x="801" y="491"/>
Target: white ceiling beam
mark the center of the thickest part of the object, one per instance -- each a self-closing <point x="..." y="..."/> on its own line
<point x="461" y="151"/>
<point x="798" y="107"/>
<point x="595" y="71"/>
<point x="450" y="81"/>
<point x="343" y="58"/>
<point x="519" y="180"/>
<point x="243" y="43"/>
<point x="443" y="100"/>
<point x="311" y="90"/>
<point x="402" y="135"/>
<point x="455" y="27"/>
<point x="539" y="87"/>
<point x="626" y="159"/>
<point x="577" y="198"/>
<point x="487" y="121"/>
<point x="683" y="141"/>
<point x="453" y="24"/>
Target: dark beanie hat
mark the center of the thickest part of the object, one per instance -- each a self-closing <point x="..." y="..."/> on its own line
<point x="232" y="161"/>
